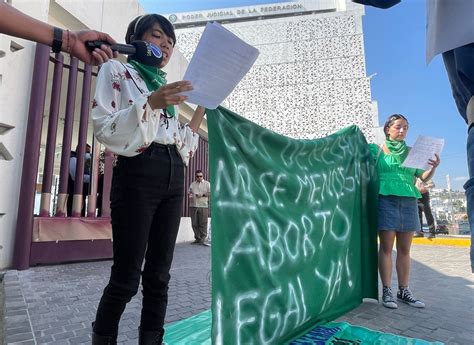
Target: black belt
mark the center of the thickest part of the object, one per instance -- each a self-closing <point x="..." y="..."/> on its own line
<point x="155" y="147"/>
<point x="161" y="147"/>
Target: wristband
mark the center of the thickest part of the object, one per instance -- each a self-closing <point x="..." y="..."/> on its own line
<point x="57" y="40"/>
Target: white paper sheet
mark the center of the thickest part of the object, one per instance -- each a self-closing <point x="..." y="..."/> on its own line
<point x="220" y="61"/>
<point x="424" y="149"/>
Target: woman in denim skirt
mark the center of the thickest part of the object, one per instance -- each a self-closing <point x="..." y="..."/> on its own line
<point x="397" y="208"/>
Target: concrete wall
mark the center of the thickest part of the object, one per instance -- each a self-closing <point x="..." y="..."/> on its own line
<point x="15" y="77"/>
<point x="185" y="233"/>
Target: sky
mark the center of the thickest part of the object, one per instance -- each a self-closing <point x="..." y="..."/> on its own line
<point x="394" y="42"/>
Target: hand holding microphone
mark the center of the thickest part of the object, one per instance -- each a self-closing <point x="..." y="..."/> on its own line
<point x="149" y="54"/>
<point x="141" y="51"/>
<point x="77" y="42"/>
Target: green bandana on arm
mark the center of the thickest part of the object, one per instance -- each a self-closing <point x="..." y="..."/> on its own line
<point x="154" y="79"/>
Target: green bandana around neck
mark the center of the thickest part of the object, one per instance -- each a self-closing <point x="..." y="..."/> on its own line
<point x="396" y="147"/>
<point x="154" y="78"/>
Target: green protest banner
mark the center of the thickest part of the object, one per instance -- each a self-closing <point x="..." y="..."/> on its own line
<point x="293" y="230"/>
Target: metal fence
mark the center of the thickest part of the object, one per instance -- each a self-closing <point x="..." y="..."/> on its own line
<point x="73" y="222"/>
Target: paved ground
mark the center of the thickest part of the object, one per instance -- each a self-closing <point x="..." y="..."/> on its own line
<point x="441" y="276"/>
<point x="56" y="304"/>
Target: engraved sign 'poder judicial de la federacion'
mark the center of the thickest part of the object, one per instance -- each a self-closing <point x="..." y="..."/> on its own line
<point x="250" y="11"/>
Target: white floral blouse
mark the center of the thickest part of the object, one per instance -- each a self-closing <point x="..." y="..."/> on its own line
<point x="124" y="121"/>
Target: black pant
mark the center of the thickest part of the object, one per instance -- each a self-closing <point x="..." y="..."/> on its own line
<point x="146" y="203"/>
<point x="424" y="206"/>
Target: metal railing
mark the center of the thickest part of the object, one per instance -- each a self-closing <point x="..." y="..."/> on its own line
<point x="30" y="247"/>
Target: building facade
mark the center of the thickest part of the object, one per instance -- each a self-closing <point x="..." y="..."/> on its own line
<point x="310" y="77"/>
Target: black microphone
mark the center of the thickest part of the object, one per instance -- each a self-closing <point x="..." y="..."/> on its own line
<point x="140" y="51"/>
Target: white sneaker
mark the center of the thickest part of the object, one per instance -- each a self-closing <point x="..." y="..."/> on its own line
<point x="387" y="298"/>
<point x="405" y="295"/>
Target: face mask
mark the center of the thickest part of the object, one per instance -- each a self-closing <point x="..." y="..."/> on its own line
<point x="88" y="156"/>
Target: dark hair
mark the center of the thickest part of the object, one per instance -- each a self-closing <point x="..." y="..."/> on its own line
<point x="145" y="23"/>
<point x="198" y="172"/>
<point x="391" y="119"/>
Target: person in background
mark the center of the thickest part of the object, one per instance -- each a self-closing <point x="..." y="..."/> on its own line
<point x="72" y="179"/>
<point x="199" y="192"/>
<point x="134" y="116"/>
<point x="18" y="24"/>
<point x="397" y="208"/>
<point x="424" y="206"/>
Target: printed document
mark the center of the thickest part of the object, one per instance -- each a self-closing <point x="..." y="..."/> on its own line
<point x="220" y="61"/>
<point x="424" y="149"/>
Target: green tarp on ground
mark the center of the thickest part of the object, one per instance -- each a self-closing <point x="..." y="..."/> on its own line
<point x="194" y="330"/>
<point x="343" y="333"/>
<point x="197" y="331"/>
<point x="293" y="229"/>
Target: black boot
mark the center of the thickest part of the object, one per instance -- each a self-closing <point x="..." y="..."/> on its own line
<point x="103" y="339"/>
<point x="150" y="337"/>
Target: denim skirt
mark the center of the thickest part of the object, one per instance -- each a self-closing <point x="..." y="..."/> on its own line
<point x="398" y="213"/>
